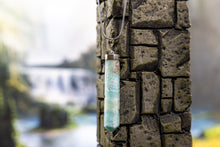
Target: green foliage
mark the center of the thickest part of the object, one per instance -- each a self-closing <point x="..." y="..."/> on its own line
<point x="4" y="64"/>
<point x="212" y="132"/>
<point x="7" y="131"/>
<point x="12" y="85"/>
<point x="15" y="86"/>
<point x="1" y="103"/>
<point x="53" y="117"/>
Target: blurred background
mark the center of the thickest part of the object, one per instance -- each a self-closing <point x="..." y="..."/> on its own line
<point x="47" y="73"/>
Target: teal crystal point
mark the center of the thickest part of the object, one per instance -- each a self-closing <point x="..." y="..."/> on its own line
<point x="112" y="94"/>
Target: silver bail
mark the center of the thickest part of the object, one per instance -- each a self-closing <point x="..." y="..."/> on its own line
<point x="112" y="56"/>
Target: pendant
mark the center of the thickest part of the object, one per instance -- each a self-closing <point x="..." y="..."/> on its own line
<point x="112" y="92"/>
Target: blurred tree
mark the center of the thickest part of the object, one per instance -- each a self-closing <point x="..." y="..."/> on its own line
<point x="12" y="46"/>
<point x="53" y="117"/>
<point x="14" y="38"/>
<point x="4" y="65"/>
<point x="7" y="115"/>
<point x="87" y="60"/>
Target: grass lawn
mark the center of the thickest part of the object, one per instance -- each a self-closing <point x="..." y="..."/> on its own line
<point x="214" y="142"/>
<point x="211" y="138"/>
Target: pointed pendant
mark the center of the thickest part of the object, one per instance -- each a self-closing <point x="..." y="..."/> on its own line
<point x="112" y="92"/>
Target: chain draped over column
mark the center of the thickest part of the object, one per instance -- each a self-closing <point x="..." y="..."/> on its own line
<point x="155" y="84"/>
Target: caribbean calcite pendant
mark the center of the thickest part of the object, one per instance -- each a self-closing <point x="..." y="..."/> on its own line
<point x="112" y="92"/>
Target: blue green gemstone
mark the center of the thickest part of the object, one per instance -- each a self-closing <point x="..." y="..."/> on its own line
<point x="112" y="95"/>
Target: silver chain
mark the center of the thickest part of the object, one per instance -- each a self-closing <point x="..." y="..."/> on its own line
<point x="122" y="24"/>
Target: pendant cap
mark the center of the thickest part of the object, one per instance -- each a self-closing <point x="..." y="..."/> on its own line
<point x="112" y="56"/>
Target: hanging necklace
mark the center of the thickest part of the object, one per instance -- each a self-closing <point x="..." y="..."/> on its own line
<point x="112" y="79"/>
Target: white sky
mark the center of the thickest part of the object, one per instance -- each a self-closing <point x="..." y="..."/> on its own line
<point x="61" y="28"/>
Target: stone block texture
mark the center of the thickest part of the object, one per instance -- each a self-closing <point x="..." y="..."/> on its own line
<point x="129" y="102"/>
<point x="144" y="58"/>
<point x="155" y="96"/>
<point x="150" y="92"/>
<point x="175" y="53"/>
<point x="153" y="13"/>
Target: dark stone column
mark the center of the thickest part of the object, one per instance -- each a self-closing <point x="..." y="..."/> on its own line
<point x="155" y="73"/>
